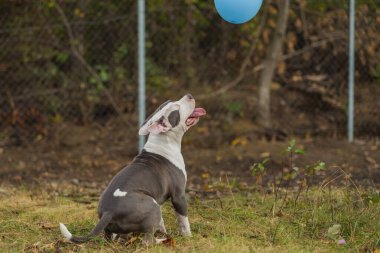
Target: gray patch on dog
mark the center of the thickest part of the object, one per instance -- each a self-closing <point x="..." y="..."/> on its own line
<point x="174" y="118"/>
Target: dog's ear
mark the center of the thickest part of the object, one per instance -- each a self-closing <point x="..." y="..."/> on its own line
<point x="160" y="126"/>
<point x="162" y="120"/>
<point x="156" y="111"/>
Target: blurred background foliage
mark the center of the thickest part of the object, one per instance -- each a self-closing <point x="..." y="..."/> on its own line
<point x="76" y="61"/>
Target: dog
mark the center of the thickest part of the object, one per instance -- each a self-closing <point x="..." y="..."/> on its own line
<point x="131" y="202"/>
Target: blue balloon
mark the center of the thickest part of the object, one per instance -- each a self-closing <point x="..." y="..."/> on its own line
<point x="237" y="11"/>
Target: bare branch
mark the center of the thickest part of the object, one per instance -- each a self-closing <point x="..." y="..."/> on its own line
<point x="87" y="66"/>
<point x="247" y="60"/>
<point x="335" y="36"/>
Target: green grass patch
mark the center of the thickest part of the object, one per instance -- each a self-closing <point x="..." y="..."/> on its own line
<point x="243" y="222"/>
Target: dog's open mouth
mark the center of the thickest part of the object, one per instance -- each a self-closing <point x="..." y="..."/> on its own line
<point x="194" y="117"/>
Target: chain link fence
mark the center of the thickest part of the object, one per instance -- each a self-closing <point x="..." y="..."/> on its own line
<point x="75" y="62"/>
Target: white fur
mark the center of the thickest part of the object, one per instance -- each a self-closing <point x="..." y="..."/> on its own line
<point x="65" y="232"/>
<point x="159" y="241"/>
<point x="167" y="145"/>
<point x="119" y="193"/>
<point x="184" y="224"/>
<point x="155" y="202"/>
<point x="162" y="225"/>
<point x="153" y="126"/>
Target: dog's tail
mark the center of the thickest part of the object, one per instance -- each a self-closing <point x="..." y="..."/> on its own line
<point x="102" y="224"/>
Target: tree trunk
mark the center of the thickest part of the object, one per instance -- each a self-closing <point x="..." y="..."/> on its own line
<point x="273" y="53"/>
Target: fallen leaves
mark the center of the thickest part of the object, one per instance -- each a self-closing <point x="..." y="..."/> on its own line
<point x="240" y="141"/>
<point x="334" y="233"/>
<point x="48" y="226"/>
<point x="169" y="241"/>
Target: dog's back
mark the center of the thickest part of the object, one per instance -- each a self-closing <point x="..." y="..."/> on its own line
<point x="149" y="174"/>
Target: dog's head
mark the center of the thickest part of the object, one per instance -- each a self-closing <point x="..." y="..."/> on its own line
<point x="177" y="116"/>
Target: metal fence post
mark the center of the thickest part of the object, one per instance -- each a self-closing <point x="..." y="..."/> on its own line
<point x="141" y="66"/>
<point x="351" y="72"/>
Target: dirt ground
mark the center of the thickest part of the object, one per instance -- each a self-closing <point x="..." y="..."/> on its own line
<point x="91" y="155"/>
<point x="222" y="147"/>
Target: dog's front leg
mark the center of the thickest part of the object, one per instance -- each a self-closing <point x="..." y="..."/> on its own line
<point x="161" y="226"/>
<point x="180" y="207"/>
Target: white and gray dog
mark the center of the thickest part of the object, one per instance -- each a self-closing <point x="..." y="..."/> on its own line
<point x="131" y="202"/>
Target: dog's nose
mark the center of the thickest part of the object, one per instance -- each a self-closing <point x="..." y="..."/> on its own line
<point x="189" y="96"/>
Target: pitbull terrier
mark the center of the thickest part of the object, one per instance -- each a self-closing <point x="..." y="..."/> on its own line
<point x="131" y="202"/>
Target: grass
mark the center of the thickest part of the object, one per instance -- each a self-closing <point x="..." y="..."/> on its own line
<point x="242" y="222"/>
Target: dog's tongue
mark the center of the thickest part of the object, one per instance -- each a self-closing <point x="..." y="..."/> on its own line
<point x="198" y="112"/>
